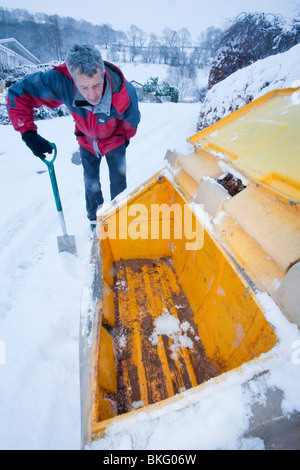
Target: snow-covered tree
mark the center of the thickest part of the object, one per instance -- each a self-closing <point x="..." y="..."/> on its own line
<point x="250" y="37"/>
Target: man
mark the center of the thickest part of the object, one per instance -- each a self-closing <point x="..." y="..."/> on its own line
<point x="104" y="107"/>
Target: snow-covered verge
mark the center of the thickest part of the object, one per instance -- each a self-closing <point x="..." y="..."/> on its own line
<point x="249" y="83"/>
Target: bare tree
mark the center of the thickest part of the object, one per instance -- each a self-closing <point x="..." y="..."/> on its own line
<point x="107" y="35"/>
<point x="150" y="52"/>
<point x="183" y="78"/>
<point x="170" y="38"/>
<point x="206" y="47"/>
<point x="137" y="38"/>
<point x="55" y="36"/>
<point x="185" y="38"/>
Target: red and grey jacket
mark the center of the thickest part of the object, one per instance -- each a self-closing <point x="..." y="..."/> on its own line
<point x="99" y="128"/>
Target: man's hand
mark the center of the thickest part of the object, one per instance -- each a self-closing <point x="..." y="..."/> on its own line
<point x="37" y="144"/>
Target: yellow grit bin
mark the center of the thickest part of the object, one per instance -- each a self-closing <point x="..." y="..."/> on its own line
<point x="176" y="265"/>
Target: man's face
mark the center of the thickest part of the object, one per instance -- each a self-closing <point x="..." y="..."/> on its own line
<point x="91" y="88"/>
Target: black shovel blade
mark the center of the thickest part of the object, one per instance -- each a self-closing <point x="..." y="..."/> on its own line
<point x="67" y="243"/>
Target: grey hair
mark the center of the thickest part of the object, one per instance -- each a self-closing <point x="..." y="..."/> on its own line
<point x="84" y="60"/>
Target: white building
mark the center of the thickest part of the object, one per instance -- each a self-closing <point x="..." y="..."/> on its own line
<point x="13" y="54"/>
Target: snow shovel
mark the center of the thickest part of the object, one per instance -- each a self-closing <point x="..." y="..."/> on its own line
<point x="65" y="242"/>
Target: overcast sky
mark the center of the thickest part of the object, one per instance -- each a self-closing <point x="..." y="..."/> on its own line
<point x="155" y="15"/>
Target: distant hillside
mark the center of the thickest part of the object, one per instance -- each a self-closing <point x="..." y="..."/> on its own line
<point x="48" y="37"/>
<point x="244" y="40"/>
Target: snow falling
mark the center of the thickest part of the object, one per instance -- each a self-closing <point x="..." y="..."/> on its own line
<point x="41" y="295"/>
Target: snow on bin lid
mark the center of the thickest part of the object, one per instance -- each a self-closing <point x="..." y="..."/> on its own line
<point x="261" y="141"/>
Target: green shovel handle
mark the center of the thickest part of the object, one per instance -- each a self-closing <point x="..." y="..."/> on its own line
<point x="49" y="163"/>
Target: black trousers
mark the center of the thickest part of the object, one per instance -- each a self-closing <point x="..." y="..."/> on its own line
<point x="116" y="161"/>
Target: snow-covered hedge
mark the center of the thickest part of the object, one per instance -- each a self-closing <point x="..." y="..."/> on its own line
<point x="247" y="84"/>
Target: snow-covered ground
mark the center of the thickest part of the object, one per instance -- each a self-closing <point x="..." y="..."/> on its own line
<point x="41" y="295"/>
